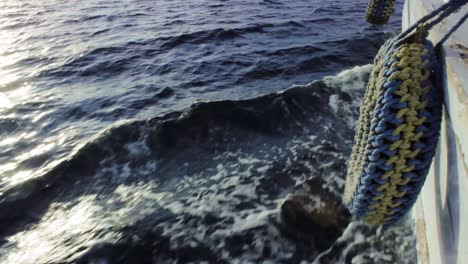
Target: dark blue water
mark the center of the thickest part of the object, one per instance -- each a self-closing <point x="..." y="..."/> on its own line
<point x="117" y="142"/>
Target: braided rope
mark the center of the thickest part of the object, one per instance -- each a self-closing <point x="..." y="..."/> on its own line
<point x="379" y="11"/>
<point x="397" y="133"/>
<point x="399" y="123"/>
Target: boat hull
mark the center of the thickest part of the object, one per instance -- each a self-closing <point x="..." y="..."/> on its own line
<point x="441" y="213"/>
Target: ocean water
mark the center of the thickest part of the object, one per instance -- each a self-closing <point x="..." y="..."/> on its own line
<point x="171" y="131"/>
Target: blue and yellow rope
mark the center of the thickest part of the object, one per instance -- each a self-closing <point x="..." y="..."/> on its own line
<point x="399" y="123"/>
<point x="379" y="11"/>
<point x="397" y="133"/>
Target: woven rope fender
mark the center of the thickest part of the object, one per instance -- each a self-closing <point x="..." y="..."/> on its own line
<point x="379" y="11"/>
<point x="397" y="133"/>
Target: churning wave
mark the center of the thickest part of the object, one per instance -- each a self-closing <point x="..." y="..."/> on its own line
<point x="203" y="184"/>
<point x="105" y="157"/>
<point x="40" y="121"/>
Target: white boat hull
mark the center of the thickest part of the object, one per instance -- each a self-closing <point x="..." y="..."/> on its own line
<point x="441" y="213"/>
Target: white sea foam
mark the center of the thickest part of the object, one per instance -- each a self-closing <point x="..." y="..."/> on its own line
<point x="227" y="188"/>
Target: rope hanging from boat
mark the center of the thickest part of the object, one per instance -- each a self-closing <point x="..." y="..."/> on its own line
<point x="399" y="124"/>
<point x="379" y="11"/>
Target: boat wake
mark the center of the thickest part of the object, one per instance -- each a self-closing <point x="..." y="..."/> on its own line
<point x="206" y="184"/>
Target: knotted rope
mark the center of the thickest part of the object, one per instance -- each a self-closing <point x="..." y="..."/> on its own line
<point x="399" y="124"/>
<point x="379" y="11"/>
